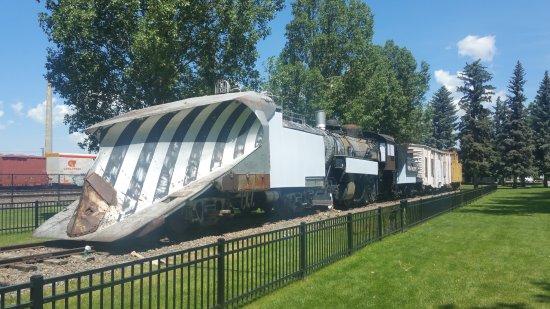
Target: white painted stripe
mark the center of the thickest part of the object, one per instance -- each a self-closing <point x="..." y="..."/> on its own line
<point x="186" y="146"/>
<point x="232" y="138"/>
<point x="132" y="156"/>
<point x="153" y="174"/>
<point x="249" y="145"/>
<point x="106" y="147"/>
<point x="207" y="151"/>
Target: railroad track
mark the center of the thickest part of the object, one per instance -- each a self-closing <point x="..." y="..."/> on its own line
<point x="34" y="258"/>
<point x="24" y="256"/>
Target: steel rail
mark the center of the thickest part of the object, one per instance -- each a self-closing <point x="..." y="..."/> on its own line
<point x="41" y="256"/>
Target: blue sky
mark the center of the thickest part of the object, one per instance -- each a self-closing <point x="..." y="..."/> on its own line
<point x="446" y="34"/>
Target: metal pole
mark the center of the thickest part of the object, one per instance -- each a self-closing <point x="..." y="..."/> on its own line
<point x="12" y="188"/>
<point x="36" y="214"/>
<point x="303" y="255"/>
<point x="379" y="216"/>
<point x="58" y="188"/>
<point x="403" y="205"/>
<point x="48" y="121"/>
<point x="221" y="273"/>
<point x="37" y="291"/>
<point x="350" y="233"/>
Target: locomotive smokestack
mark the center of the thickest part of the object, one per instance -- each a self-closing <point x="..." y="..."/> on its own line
<point x="48" y="118"/>
<point x="321" y="119"/>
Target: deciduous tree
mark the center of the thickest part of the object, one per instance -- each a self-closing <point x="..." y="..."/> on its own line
<point x="112" y="56"/>
<point x="329" y="62"/>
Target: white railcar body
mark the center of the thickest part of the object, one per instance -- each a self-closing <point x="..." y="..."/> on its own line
<point x="294" y="154"/>
<point x="68" y="168"/>
<point x="424" y="165"/>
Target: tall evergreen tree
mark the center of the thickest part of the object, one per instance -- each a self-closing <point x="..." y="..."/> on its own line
<point x="540" y="124"/>
<point x="501" y="122"/>
<point x="518" y="143"/>
<point x="475" y="126"/>
<point x="427" y="127"/>
<point x="443" y="120"/>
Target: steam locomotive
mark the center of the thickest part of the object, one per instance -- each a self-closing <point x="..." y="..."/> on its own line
<point x="196" y="160"/>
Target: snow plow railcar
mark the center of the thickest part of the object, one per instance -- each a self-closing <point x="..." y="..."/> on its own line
<point x="196" y="160"/>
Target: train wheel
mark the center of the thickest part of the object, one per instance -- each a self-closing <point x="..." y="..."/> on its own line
<point x="361" y="192"/>
<point x="373" y="191"/>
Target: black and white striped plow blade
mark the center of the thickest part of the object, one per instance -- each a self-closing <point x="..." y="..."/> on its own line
<point x="152" y="161"/>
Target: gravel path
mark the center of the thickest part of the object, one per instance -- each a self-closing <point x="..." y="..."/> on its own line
<point x="13" y="276"/>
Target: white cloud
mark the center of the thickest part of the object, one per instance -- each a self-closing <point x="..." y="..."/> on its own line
<point x="497" y="93"/>
<point x="1" y="113"/>
<point x="78" y="137"/>
<point x="445" y="78"/>
<point x="451" y="82"/>
<point x="17" y="108"/>
<point x="477" y="47"/>
<point x="38" y="113"/>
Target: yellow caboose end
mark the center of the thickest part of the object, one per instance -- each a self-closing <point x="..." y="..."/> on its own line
<point x="456" y="170"/>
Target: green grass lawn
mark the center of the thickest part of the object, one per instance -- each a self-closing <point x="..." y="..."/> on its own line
<point x="494" y="253"/>
<point x="17" y="223"/>
<point x="18" y="238"/>
<point x="466" y="187"/>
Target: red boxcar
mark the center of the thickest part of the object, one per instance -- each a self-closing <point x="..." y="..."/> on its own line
<point x="26" y="170"/>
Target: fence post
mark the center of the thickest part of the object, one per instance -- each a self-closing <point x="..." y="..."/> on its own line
<point x="350" y="232"/>
<point x="37" y="291"/>
<point x="379" y="216"/>
<point x="12" y="188"/>
<point x="221" y="273"/>
<point x="303" y="249"/>
<point x="58" y="189"/>
<point x="36" y="214"/>
<point x="403" y="205"/>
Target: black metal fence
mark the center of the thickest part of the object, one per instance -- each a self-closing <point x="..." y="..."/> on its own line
<point x="22" y="217"/>
<point x="230" y="272"/>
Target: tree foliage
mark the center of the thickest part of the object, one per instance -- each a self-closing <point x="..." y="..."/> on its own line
<point x="540" y="124"/>
<point x="501" y="121"/>
<point x="329" y="62"/>
<point x="475" y="124"/>
<point x="113" y="56"/>
<point x="443" y="120"/>
<point x="517" y="144"/>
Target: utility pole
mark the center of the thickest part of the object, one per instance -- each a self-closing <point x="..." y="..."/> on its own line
<point x="48" y="134"/>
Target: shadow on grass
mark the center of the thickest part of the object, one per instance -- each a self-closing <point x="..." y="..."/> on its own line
<point x="544" y="297"/>
<point x="537" y="202"/>
<point x="495" y="306"/>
